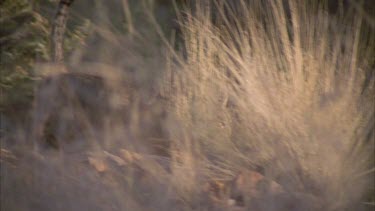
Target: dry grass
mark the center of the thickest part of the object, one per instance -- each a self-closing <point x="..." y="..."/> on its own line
<point x="284" y="92"/>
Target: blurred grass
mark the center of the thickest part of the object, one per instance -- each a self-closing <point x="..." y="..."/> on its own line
<point x="284" y="92"/>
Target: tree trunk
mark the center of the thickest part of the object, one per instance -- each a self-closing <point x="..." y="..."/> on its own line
<point x="58" y="30"/>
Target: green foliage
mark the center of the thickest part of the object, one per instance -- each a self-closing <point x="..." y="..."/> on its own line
<point x="24" y="40"/>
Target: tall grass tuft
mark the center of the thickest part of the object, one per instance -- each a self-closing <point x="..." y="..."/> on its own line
<point x="281" y="85"/>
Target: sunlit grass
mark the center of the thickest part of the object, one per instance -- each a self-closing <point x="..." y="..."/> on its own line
<point x="281" y="88"/>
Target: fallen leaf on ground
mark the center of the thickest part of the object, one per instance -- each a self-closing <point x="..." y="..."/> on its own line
<point x="98" y="164"/>
<point x="249" y="184"/>
<point x="115" y="158"/>
<point x="130" y="156"/>
<point x="7" y="156"/>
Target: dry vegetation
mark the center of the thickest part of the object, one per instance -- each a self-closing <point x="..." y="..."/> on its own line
<point x="267" y="105"/>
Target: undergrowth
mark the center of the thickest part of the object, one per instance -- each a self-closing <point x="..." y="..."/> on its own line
<point x="281" y="88"/>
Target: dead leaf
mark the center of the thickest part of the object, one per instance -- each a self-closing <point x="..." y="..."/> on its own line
<point x="252" y="184"/>
<point x="98" y="164"/>
<point x="6" y="154"/>
<point x="129" y="156"/>
<point x="216" y="190"/>
<point x="8" y="157"/>
<point x="231" y="202"/>
<point x="115" y="158"/>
